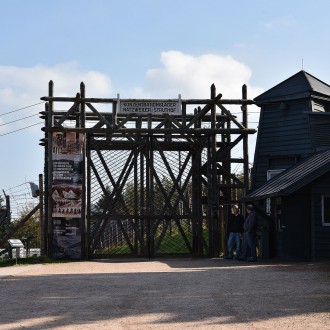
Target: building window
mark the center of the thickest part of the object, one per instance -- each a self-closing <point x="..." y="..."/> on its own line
<point x="271" y="174"/>
<point x="326" y="210"/>
<point x="318" y="107"/>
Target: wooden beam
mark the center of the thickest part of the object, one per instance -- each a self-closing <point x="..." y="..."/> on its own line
<point x="115" y="100"/>
<point x="191" y="131"/>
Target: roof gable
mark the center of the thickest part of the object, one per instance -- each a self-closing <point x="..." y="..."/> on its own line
<point x="294" y="178"/>
<point x="300" y="85"/>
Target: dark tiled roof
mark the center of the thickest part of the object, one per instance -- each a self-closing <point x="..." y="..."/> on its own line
<point x="294" y="178"/>
<point x="300" y="85"/>
<point x="317" y="85"/>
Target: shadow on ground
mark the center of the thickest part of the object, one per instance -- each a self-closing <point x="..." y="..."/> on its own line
<point x="168" y="292"/>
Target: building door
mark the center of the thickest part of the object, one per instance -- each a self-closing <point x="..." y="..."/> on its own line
<point x="295" y="226"/>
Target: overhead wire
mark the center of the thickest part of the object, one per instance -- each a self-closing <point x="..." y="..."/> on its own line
<point x="28" y="106"/>
<point x="10" y="122"/>
<point x="20" y="195"/>
<point x="20" y="129"/>
<point x="20" y="119"/>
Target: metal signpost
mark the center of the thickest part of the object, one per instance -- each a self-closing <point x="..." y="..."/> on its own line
<point x="15" y="244"/>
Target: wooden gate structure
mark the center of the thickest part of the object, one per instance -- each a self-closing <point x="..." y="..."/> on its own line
<point x="141" y="184"/>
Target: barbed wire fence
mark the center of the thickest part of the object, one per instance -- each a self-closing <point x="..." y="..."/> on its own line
<point x="18" y="119"/>
<point x="21" y="199"/>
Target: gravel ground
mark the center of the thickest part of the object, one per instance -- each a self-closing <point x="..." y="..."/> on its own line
<point x="164" y="294"/>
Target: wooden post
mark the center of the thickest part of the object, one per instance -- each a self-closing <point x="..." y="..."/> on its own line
<point x="214" y="179"/>
<point x="245" y="143"/>
<point x="148" y="196"/>
<point x="143" y="196"/>
<point x="151" y="201"/>
<point x="84" y="236"/>
<point x="114" y="113"/>
<point x="41" y="216"/>
<point x="48" y="191"/>
<point x="44" y="234"/>
<point x="184" y="115"/>
<point x="8" y="212"/>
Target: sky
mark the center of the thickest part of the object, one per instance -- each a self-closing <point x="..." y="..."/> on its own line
<point x="144" y="49"/>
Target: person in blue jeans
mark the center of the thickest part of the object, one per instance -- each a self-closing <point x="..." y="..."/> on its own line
<point x="235" y="230"/>
<point x="250" y="229"/>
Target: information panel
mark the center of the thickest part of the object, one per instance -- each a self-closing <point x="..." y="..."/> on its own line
<point x="68" y="172"/>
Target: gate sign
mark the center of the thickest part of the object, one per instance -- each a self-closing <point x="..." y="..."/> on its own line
<point x="149" y="106"/>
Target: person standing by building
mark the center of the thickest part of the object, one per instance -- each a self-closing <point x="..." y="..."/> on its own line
<point x="235" y="230"/>
<point x="250" y="229"/>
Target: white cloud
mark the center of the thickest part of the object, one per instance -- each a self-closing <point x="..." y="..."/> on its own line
<point x="192" y="77"/>
<point x="21" y="87"/>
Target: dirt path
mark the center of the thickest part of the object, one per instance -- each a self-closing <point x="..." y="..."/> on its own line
<point x="166" y="294"/>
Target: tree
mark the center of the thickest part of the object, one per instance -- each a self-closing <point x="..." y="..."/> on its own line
<point x="30" y="229"/>
<point x="110" y="204"/>
<point x="238" y="193"/>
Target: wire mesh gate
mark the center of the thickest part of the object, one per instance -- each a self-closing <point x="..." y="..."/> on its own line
<point x="146" y="184"/>
<point x="142" y="197"/>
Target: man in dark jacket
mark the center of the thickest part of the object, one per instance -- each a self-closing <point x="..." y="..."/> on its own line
<point x="235" y="230"/>
<point x="250" y="229"/>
